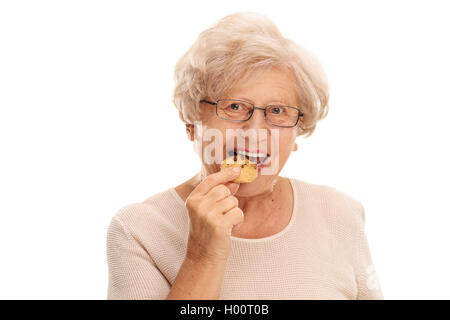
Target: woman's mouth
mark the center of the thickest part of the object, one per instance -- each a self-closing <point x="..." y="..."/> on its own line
<point x="259" y="157"/>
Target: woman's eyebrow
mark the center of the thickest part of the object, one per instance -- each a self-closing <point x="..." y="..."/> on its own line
<point x="275" y="100"/>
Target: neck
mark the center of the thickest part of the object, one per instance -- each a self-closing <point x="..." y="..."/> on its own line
<point x="253" y="201"/>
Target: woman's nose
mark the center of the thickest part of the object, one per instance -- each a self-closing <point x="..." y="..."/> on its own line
<point x="256" y="121"/>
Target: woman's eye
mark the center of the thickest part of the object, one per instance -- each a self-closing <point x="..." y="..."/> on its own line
<point x="235" y="106"/>
<point x="276" y="110"/>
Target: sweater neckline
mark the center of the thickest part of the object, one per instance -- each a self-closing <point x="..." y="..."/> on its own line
<point x="263" y="239"/>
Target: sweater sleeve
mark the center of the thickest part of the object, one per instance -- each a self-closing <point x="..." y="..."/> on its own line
<point x="132" y="274"/>
<point x="368" y="284"/>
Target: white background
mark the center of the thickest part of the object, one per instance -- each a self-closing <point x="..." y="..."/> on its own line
<point x="87" y="115"/>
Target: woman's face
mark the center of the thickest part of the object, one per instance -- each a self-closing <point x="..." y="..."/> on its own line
<point x="276" y="86"/>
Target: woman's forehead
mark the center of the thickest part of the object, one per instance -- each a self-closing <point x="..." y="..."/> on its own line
<point x="274" y="85"/>
<point x="274" y="95"/>
<point x="270" y="99"/>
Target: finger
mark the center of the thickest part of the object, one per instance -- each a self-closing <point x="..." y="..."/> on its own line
<point x="218" y="193"/>
<point x="227" y="204"/>
<point x="216" y="178"/>
<point x="233" y="217"/>
<point x="233" y="186"/>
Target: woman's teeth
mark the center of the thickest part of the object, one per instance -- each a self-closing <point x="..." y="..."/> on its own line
<point x="253" y="157"/>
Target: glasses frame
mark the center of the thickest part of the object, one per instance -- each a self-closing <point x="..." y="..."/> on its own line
<point x="300" y="114"/>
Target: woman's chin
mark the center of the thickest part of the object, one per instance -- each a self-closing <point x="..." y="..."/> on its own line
<point x="260" y="185"/>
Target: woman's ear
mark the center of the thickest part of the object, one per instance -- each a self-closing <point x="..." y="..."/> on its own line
<point x="295" y="147"/>
<point x="190" y="131"/>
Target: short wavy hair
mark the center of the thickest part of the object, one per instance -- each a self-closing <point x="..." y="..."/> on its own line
<point x="238" y="48"/>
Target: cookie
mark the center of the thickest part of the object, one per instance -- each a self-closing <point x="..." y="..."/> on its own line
<point x="249" y="170"/>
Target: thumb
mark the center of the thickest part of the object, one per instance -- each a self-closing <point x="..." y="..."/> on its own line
<point x="233" y="186"/>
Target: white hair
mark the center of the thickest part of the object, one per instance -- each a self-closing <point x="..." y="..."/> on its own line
<point x="238" y="48"/>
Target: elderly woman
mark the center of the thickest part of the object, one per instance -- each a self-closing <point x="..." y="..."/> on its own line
<point x="269" y="238"/>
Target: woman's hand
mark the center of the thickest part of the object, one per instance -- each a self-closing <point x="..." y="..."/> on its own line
<point x="213" y="211"/>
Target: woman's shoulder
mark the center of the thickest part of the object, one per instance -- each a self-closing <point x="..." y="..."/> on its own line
<point x="162" y="208"/>
<point x="329" y="198"/>
<point x="324" y="191"/>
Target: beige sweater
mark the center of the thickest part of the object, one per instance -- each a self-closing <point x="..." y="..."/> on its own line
<point x="322" y="253"/>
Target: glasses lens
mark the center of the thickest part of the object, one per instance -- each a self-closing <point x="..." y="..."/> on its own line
<point x="282" y="115"/>
<point x="234" y="109"/>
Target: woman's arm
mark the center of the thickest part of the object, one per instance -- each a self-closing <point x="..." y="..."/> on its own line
<point x="132" y="272"/>
<point x="133" y="275"/>
<point x="197" y="279"/>
<point x="213" y="211"/>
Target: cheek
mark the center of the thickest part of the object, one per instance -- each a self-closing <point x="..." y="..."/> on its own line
<point x="214" y="136"/>
<point x="287" y="140"/>
<point x="285" y="145"/>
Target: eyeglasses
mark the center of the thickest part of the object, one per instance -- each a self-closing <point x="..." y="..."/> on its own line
<point x="240" y="111"/>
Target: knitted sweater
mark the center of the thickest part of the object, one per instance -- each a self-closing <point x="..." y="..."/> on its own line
<point x="322" y="253"/>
